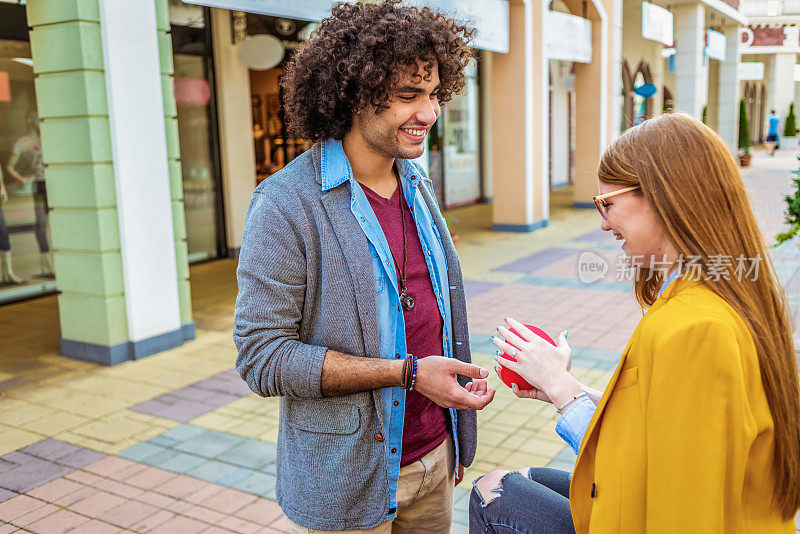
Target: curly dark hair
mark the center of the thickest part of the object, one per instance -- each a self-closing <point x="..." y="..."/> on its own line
<point x="355" y="56"/>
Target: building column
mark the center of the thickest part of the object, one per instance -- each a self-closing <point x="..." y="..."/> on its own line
<point x="691" y="65"/>
<point x="593" y="99"/>
<point x="729" y="90"/>
<point x="235" y="115"/>
<point x="780" y="86"/>
<point x="101" y="102"/>
<point x="518" y="124"/>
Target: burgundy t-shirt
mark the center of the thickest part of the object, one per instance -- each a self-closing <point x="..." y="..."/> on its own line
<point x="425" y="425"/>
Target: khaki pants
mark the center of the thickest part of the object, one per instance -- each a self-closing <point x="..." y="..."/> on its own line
<point x="424" y="497"/>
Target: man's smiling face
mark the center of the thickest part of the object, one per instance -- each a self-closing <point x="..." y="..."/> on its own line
<point x="413" y="107"/>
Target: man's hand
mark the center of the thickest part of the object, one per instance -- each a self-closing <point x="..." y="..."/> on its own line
<point x="459" y="474"/>
<point x="3" y="194"/>
<point x="436" y="379"/>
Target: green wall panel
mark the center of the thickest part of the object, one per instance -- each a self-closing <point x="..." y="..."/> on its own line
<point x="85" y="230"/>
<point x="168" y="89"/>
<point x="182" y="259"/>
<point x="173" y="144"/>
<point x="76" y="140"/>
<point x="178" y="220"/>
<point x="175" y="180"/>
<point x="185" y="295"/>
<point x="67" y="46"/>
<point x="81" y="186"/>
<point x="102" y="321"/>
<point x="90" y="274"/>
<point x="162" y="15"/>
<point x="49" y="12"/>
<point x="165" y="53"/>
<point x="71" y="93"/>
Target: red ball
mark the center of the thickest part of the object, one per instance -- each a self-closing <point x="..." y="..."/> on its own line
<point x="510" y="377"/>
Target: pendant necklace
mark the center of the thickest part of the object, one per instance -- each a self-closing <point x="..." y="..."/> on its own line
<point x="406" y="300"/>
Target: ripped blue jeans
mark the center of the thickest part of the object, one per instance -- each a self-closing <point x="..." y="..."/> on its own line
<point x="538" y="504"/>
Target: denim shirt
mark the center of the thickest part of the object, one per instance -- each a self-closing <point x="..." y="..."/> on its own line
<point x="575" y="419"/>
<point x="336" y="170"/>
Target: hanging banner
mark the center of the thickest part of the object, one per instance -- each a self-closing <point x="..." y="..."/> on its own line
<point x="656" y="23"/>
<point x="751" y="70"/>
<point x="567" y="37"/>
<point x="488" y="17"/>
<point x="716" y="44"/>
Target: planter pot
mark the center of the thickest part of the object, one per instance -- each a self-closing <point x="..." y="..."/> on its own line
<point x="790" y="142"/>
<point x="744" y="160"/>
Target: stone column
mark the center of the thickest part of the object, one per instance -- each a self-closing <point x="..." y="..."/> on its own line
<point x="518" y="124"/>
<point x="691" y="64"/>
<point x="781" y="86"/>
<point x="112" y="220"/>
<point x="729" y="90"/>
<point x="237" y="154"/>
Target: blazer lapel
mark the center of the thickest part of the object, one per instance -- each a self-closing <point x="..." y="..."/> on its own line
<point x="355" y="250"/>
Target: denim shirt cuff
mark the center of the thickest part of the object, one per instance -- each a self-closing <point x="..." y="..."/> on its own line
<point x="574" y="421"/>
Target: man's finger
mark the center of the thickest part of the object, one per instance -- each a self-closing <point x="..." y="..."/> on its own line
<point x="470" y="370"/>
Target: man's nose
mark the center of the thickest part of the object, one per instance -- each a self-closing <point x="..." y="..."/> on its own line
<point x="428" y="113"/>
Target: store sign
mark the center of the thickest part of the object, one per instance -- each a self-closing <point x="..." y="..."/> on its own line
<point x="716" y="44"/>
<point x="656" y="23"/>
<point x="296" y="9"/>
<point x="751" y="71"/>
<point x="488" y="17"/>
<point x="567" y="37"/>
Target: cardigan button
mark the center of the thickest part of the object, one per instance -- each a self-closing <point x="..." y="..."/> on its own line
<point x="594" y="491"/>
<point x="379" y="437"/>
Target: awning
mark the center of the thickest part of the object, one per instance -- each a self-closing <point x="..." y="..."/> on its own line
<point x="488" y="17"/>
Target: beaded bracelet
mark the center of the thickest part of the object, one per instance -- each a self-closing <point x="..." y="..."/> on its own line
<point x="570" y="401"/>
<point x="413" y="374"/>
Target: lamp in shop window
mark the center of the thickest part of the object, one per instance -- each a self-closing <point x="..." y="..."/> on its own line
<point x="261" y="52"/>
<point x="5" y="87"/>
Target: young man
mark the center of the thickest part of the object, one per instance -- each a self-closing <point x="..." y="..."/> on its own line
<point x="351" y="304"/>
<point x="771" y="124"/>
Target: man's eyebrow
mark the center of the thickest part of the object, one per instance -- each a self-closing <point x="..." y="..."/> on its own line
<point x="413" y="89"/>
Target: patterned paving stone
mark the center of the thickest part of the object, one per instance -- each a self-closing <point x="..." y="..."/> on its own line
<point x="197" y="399"/>
<point x="473" y="288"/>
<point x="536" y="261"/>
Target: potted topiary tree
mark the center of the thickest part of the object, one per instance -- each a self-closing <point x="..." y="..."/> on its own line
<point x="792" y="213"/>
<point x="744" y="135"/>
<point x="793" y="233"/>
<point x="790" y="129"/>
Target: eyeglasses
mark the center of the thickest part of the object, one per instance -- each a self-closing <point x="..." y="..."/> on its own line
<point x="599" y="200"/>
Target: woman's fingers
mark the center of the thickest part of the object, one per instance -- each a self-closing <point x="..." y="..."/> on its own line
<point x="521" y="329"/>
<point x="504" y="345"/>
<point x="512" y="338"/>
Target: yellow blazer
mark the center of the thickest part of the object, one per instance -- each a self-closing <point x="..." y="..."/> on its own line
<point x="682" y="439"/>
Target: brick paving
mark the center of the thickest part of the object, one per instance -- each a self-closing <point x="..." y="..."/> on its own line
<point x="176" y="442"/>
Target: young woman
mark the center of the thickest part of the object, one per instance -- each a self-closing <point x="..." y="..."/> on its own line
<point x="699" y="428"/>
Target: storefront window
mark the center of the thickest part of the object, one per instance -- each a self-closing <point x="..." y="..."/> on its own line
<point x="193" y="96"/>
<point x="461" y="155"/>
<point x="26" y="265"/>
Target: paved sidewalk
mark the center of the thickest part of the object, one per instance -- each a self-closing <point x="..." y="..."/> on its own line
<point x="175" y="443"/>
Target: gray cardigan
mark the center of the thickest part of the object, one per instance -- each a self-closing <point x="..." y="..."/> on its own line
<point x="306" y="285"/>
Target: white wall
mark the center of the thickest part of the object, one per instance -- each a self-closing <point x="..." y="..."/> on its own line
<point x="237" y="152"/>
<point x="141" y="175"/>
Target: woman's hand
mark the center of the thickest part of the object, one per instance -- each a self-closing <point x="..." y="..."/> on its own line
<point x="541" y="364"/>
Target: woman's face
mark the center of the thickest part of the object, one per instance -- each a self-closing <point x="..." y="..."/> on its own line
<point x="633" y="222"/>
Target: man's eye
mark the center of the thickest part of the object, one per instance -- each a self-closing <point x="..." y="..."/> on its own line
<point x="406" y="98"/>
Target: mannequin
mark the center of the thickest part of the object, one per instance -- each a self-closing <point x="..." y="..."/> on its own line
<point x="6" y="271"/>
<point x="25" y="165"/>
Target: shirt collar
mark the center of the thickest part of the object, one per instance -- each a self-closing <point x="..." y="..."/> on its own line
<point x="336" y="168"/>
<point x="671" y="278"/>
